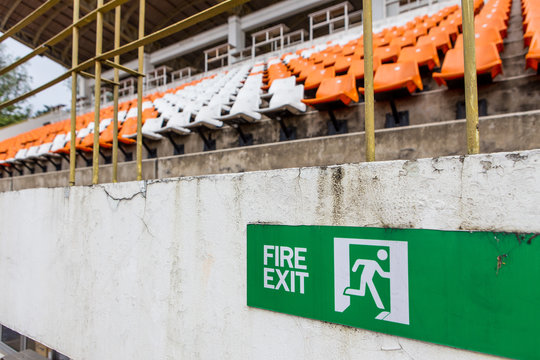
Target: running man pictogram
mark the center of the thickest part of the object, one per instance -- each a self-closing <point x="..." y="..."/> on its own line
<point x="366" y="279"/>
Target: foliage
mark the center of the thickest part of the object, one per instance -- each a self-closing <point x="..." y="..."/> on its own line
<point x="13" y="84"/>
<point x="46" y="109"/>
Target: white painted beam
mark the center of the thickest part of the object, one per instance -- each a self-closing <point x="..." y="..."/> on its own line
<point x="256" y="19"/>
<point x="276" y="12"/>
<point x="199" y="41"/>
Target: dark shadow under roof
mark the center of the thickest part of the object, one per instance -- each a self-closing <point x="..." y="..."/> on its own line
<point x="159" y="14"/>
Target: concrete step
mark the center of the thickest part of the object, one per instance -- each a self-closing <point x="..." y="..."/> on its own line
<point x="510" y="132"/>
<point x="514" y="34"/>
<point x="514" y="65"/>
<point x="515" y="23"/>
<point x="514" y="47"/>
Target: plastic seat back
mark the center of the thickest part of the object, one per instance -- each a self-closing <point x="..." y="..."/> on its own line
<point x="357" y="67"/>
<point x="440" y="40"/>
<point x="315" y="78"/>
<point x="339" y="88"/>
<point x="487" y="61"/>
<point x="484" y="36"/>
<point x="533" y="56"/>
<point x="387" y="53"/>
<point x="403" y="41"/>
<point x="397" y="76"/>
<point x="423" y="55"/>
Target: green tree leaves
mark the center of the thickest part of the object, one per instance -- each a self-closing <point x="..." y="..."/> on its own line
<point x="13" y="84"/>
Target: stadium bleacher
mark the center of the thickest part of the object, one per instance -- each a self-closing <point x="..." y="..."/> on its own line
<point x="409" y="61"/>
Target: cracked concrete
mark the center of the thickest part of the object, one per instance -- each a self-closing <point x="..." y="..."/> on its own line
<point x="514" y="132"/>
<point x="169" y="255"/>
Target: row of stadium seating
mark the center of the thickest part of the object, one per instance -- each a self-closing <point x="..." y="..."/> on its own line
<point x="531" y="30"/>
<point x="324" y="76"/>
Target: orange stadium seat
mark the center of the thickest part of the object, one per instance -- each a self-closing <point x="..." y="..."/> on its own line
<point x="440" y="40"/>
<point x="343" y="63"/>
<point x="308" y="69"/>
<point x="485" y="36"/>
<point x="532" y="28"/>
<point x="315" y="78"/>
<point x="387" y="53"/>
<point x="339" y="88"/>
<point x="397" y="31"/>
<point x="297" y="65"/>
<point x="350" y="49"/>
<point x="533" y="56"/>
<point x="390" y="77"/>
<point x="424" y="55"/>
<point x="330" y="59"/>
<point x="405" y="40"/>
<point x="491" y="22"/>
<point x="395" y="80"/>
<point x="381" y="40"/>
<point x="488" y="62"/>
<point x="447" y="28"/>
<point x="357" y="69"/>
<point x="478" y="5"/>
<point x="416" y="32"/>
<point x="454" y="20"/>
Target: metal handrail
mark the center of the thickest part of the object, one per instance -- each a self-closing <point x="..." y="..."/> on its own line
<point x="104" y="59"/>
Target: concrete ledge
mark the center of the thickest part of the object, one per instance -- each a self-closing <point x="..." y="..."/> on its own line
<point x="169" y="256"/>
<point x="427" y="107"/>
<point x="498" y="133"/>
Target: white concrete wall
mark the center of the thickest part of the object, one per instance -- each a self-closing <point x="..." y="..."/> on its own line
<point x="158" y="270"/>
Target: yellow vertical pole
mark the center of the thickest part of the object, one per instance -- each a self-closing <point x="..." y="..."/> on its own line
<point x="368" y="81"/>
<point x="97" y="94"/>
<point x="74" y="63"/>
<point x="142" y="4"/>
<point x="471" y="90"/>
<point x="117" y="19"/>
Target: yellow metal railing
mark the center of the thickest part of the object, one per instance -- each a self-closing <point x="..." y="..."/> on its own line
<point x="98" y="61"/>
<point x="74" y="63"/>
<point x="471" y="90"/>
<point x="471" y="93"/>
<point x="369" y="95"/>
<point x="117" y="31"/>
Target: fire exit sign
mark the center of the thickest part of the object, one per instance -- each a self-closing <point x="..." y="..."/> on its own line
<point x="473" y="290"/>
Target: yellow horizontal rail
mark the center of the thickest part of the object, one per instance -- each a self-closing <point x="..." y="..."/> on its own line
<point x="85" y="20"/>
<point x="122" y="68"/>
<point x="89" y="75"/>
<point x="172" y="29"/>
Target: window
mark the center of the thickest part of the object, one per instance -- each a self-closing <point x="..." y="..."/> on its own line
<point x="11" y="338"/>
<point x="19" y="342"/>
<point x="57" y="356"/>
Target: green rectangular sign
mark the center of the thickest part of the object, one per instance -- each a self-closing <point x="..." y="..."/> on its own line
<point x="473" y="290"/>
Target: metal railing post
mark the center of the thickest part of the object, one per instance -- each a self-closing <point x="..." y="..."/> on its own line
<point x="369" y="96"/>
<point x="310" y="28"/>
<point x="74" y="63"/>
<point x="97" y="95"/>
<point x="471" y="90"/>
<point x="117" y="22"/>
<point x="346" y="17"/>
<point x="142" y="4"/>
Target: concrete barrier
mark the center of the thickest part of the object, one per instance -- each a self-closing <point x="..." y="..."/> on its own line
<point x="157" y="269"/>
<point x="513" y="132"/>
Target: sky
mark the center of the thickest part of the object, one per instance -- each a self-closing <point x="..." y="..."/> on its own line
<point x="42" y="70"/>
